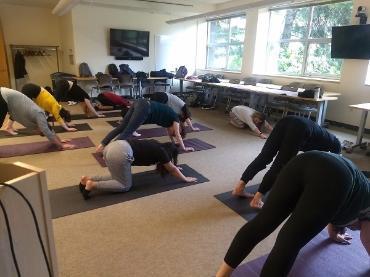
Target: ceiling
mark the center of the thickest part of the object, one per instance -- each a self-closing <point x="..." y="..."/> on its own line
<point x="52" y="3"/>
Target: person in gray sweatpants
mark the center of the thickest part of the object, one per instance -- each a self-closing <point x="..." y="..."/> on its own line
<point x="120" y="155"/>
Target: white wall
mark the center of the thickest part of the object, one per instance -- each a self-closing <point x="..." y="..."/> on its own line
<point x="67" y="44"/>
<point x="351" y="84"/>
<point x="31" y="26"/>
<point x="91" y="34"/>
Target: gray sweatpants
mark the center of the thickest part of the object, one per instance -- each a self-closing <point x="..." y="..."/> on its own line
<point x="118" y="156"/>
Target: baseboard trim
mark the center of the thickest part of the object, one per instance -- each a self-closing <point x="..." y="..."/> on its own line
<point x="347" y="126"/>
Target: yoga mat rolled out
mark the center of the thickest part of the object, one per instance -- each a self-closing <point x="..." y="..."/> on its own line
<point x="240" y="205"/>
<point x="69" y="200"/>
<point x="160" y="131"/>
<point x="320" y="258"/>
<point x="107" y="114"/>
<point x="58" y="129"/>
<point x="40" y="147"/>
<point x="197" y="144"/>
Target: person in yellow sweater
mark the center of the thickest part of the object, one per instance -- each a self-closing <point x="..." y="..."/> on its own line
<point x="47" y="102"/>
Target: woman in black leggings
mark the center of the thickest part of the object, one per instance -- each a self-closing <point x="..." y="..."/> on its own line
<point x="289" y="136"/>
<point x="316" y="189"/>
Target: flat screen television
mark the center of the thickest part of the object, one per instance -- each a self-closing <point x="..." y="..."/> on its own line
<point x="129" y="43"/>
<point x="351" y="42"/>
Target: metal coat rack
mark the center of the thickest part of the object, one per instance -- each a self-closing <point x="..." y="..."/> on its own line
<point x="35" y="50"/>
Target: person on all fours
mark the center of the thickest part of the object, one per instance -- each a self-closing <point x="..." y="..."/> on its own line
<point x="120" y="155"/>
<point x="144" y="111"/>
<point x="289" y="136"/>
<point x="24" y="111"/>
<point x="70" y="91"/>
<point x="243" y="116"/>
<point x="176" y="104"/>
<point x="48" y="103"/>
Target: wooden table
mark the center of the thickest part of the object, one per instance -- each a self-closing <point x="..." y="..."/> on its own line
<point x="275" y="90"/>
<point x="365" y="108"/>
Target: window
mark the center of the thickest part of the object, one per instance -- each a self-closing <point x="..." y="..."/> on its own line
<point x="225" y="44"/>
<point x="367" y="81"/>
<point x="299" y="40"/>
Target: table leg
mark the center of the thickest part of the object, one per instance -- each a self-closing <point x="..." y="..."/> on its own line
<point x="319" y="114"/>
<point x="361" y="127"/>
<point x="181" y="86"/>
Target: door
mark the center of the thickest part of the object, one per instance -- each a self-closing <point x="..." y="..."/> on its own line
<point x="4" y="71"/>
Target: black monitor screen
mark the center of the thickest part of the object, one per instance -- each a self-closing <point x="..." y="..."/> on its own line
<point x="351" y="42"/>
<point x="129" y="43"/>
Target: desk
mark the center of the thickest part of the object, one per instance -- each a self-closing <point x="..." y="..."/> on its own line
<point x="365" y="108"/>
<point x="274" y="90"/>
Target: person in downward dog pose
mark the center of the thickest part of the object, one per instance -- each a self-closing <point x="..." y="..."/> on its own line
<point x="289" y="136"/>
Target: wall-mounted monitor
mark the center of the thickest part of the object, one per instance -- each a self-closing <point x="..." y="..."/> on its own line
<point x="129" y="44"/>
<point x="351" y="42"/>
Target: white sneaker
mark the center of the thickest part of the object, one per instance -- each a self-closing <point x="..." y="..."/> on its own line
<point x="136" y="134"/>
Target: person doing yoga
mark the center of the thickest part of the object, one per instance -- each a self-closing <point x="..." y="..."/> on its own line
<point x="48" y="103"/>
<point x="68" y="90"/>
<point x="316" y="189"/>
<point x="120" y="155"/>
<point x="26" y="112"/>
<point x="242" y="116"/>
<point x="176" y="104"/>
<point x="147" y="112"/>
<point x="289" y="136"/>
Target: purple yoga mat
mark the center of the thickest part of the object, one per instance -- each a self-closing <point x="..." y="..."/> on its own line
<point x="160" y="131"/>
<point x="320" y="258"/>
<point x="197" y="144"/>
<point x="40" y="147"/>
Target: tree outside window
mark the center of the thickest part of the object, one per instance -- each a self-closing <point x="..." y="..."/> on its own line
<point x="225" y="45"/>
<point x="299" y="40"/>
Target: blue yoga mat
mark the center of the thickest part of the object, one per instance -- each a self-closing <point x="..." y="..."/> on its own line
<point x="320" y="258"/>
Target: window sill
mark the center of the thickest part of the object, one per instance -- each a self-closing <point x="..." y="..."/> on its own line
<point x="218" y="70"/>
<point x="301" y="78"/>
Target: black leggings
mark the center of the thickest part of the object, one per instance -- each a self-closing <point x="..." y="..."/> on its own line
<point x="3" y="110"/>
<point x="311" y="188"/>
<point x="285" y="140"/>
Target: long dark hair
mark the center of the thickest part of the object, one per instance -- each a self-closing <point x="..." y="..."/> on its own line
<point x="31" y="90"/>
<point x="182" y="129"/>
<point x="172" y="152"/>
<point x="66" y="115"/>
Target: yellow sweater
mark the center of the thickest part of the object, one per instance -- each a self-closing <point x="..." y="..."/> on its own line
<point x="47" y="102"/>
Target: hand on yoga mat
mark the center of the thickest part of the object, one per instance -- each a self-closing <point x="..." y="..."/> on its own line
<point x="339" y="234"/>
<point x="195" y="129"/>
<point x="65" y="140"/>
<point x="67" y="146"/>
<point x="190" y="179"/>
<point x="99" y="148"/>
<point x="72" y="130"/>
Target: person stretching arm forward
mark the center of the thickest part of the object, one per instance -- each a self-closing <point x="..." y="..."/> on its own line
<point x="147" y="112"/>
<point x="178" y="106"/>
<point x="240" y="116"/>
<point x="120" y="155"/>
<point x="26" y="112"/>
<point x="73" y="92"/>
<point x="289" y="136"/>
<point x="313" y="190"/>
<point x="47" y="102"/>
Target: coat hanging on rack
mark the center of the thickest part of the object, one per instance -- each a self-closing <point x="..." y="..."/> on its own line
<point x="19" y="66"/>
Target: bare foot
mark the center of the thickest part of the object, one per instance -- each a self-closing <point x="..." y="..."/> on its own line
<point x="11" y="131"/>
<point x="256" y="203"/>
<point x="238" y="191"/>
<point x="90" y="185"/>
<point x="84" y="180"/>
<point x="136" y="134"/>
<point x="101" y="115"/>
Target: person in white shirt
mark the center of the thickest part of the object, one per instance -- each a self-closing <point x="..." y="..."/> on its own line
<point x="243" y="116"/>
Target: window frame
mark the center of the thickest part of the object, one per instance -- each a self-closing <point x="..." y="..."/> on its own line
<point x="224" y="44"/>
<point x="307" y="41"/>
